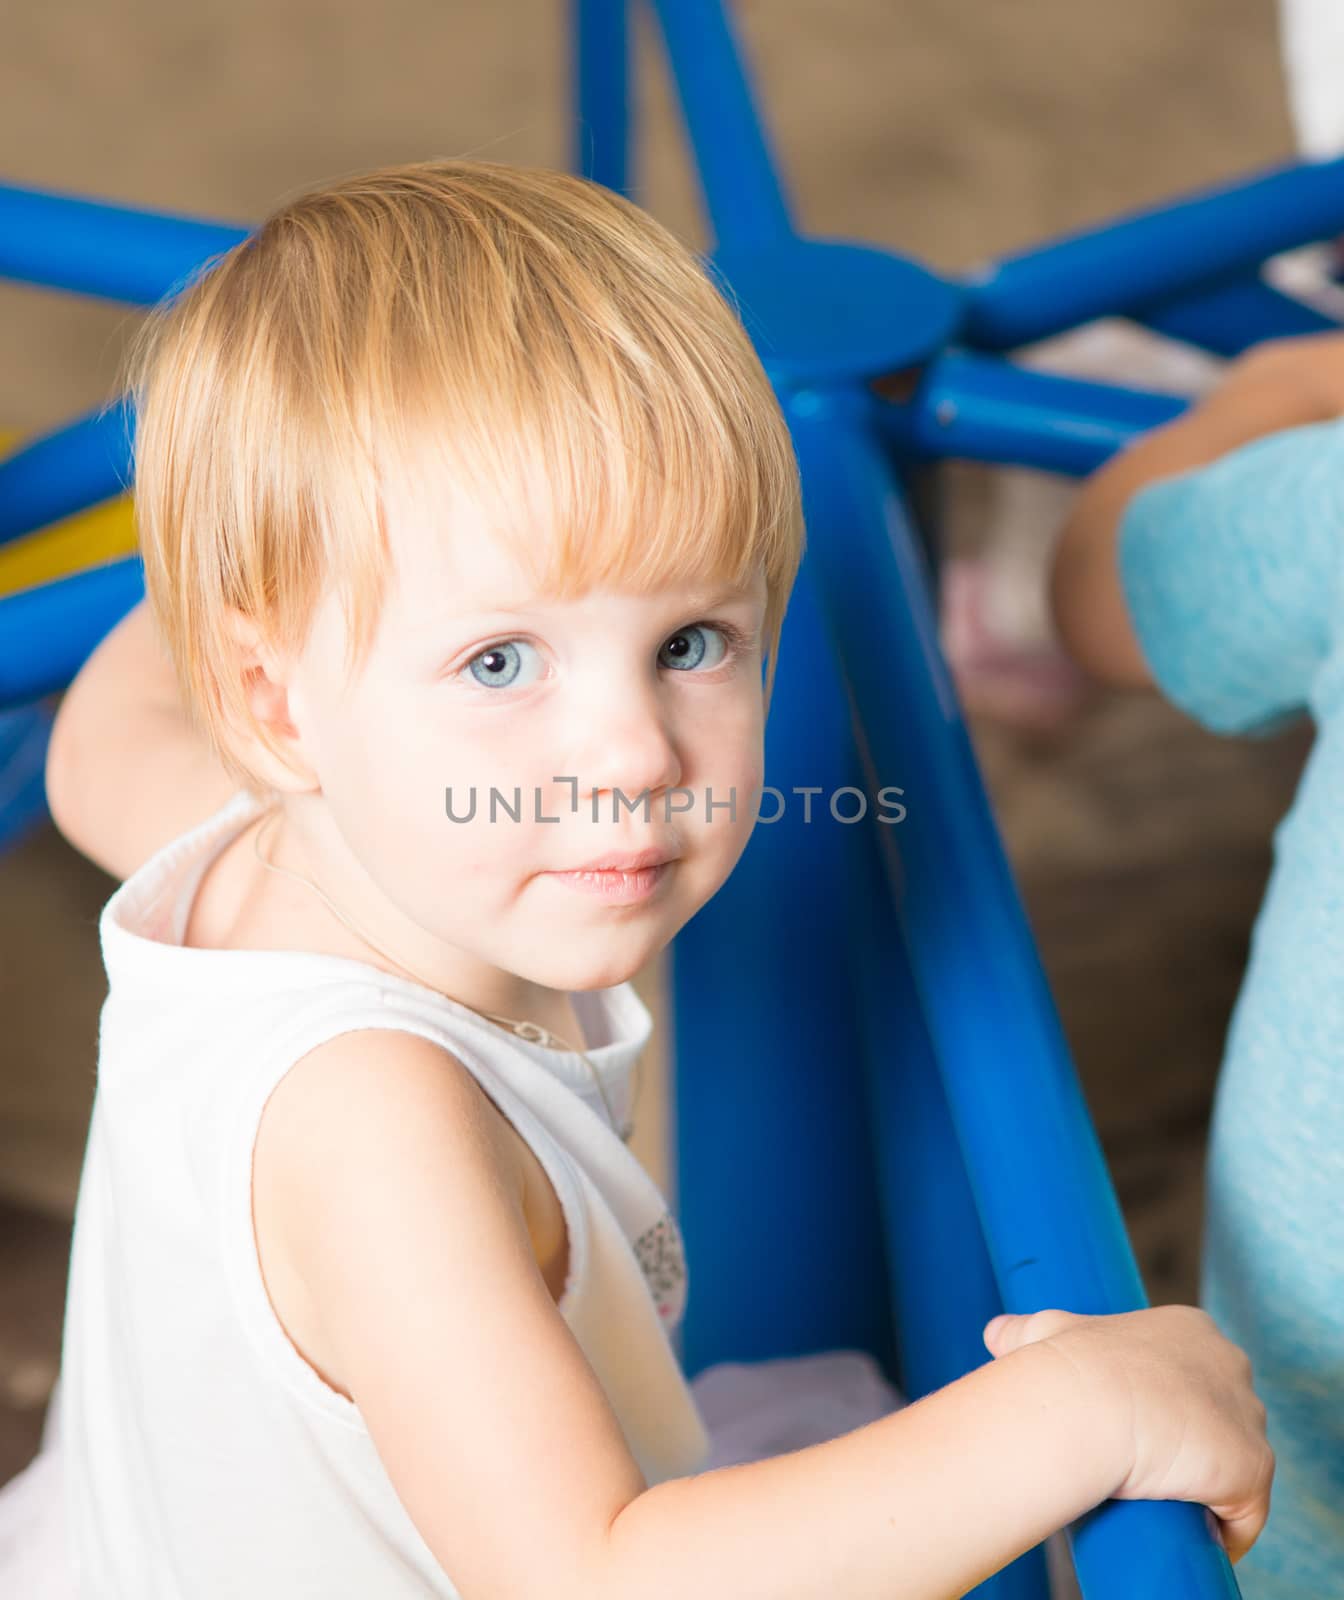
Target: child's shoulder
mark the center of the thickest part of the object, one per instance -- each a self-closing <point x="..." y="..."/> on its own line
<point x="380" y="1139"/>
<point x="395" y="1244"/>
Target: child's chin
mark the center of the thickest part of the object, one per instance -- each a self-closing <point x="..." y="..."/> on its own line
<point x="603" y="964"/>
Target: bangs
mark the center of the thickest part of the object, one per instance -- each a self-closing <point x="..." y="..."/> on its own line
<point x="601" y="477"/>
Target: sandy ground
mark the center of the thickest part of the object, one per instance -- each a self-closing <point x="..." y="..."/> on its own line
<point x="951" y="129"/>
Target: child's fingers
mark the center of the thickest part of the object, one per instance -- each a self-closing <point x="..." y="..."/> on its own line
<point x="1240" y="1523"/>
<point x="1239" y="1529"/>
<point x="1006" y="1333"/>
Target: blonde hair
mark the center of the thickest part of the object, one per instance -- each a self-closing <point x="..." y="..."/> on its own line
<point x="560" y="355"/>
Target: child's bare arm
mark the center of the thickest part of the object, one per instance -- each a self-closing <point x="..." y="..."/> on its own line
<point x="404" y="1220"/>
<point x="1285" y="383"/>
<point x="929" y="1501"/>
<point x="126" y="769"/>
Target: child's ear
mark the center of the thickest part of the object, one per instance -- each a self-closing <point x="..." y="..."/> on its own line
<point x="270" y="744"/>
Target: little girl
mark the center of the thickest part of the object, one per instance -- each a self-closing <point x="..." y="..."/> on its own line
<point x="469" y="520"/>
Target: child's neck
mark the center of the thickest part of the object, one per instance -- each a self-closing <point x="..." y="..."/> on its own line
<point x="287" y="849"/>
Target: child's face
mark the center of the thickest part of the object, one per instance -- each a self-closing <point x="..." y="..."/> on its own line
<point x="474" y="682"/>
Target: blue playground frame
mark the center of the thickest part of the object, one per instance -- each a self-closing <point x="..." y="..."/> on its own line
<point x="892" y="1123"/>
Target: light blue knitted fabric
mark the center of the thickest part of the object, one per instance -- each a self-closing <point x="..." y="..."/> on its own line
<point x="1234" y="577"/>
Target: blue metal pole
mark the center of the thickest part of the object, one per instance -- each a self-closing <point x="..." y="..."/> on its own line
<point x="941" y="1282"/>
<point x="1154" y="255"/>
<point x="1049" y="1215"/>
<point x="1231" y="317"/>
<point x="980" y="408"/>
<point x="113" y="252"/>
<point x="739" y="178"/>
<point x="66" y="471"/>
<point x="600" y="84"/>
<point x="47" y="634"/>
<point x="24" y="736"/>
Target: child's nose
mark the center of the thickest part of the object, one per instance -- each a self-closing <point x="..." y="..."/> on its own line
<point x="625" y="745"/>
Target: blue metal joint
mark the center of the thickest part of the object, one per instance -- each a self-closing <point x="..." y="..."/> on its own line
<point x="824" y="310"/>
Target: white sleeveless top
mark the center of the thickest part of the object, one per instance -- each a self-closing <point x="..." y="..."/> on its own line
<point x="204" y="1459"/>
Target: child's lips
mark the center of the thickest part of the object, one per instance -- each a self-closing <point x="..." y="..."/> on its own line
<point x="626" y="860"/>
<point x="618" y="887"/>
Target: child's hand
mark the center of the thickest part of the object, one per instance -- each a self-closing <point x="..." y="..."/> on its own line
<point x="1195" y="1429"/>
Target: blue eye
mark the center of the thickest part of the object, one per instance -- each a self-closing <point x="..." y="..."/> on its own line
<point x="687" y="647"/>
<point x="498" y="665"/>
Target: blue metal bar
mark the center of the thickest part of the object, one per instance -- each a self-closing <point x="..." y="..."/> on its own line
<point x="1049" y="1215"/>
<point x="600" y="81"/>
<point x="66" y="471"/>
<point x="1233" y="316"/>
<point x="112" y="252"/>
<point x="47" y="634"/>
<point x="955" y="884"/>
<point x="1153" y="255"/>
<point x="739" y="178"/>
<point x="24" y="736"/>
<point x="980" y="408"/>
<point x="928" y="1211"/>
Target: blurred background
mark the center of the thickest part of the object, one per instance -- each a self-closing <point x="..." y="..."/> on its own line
<point x="952" y="130"/>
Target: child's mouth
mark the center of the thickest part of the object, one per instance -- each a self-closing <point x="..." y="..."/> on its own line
<point x="621" y="888"/>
